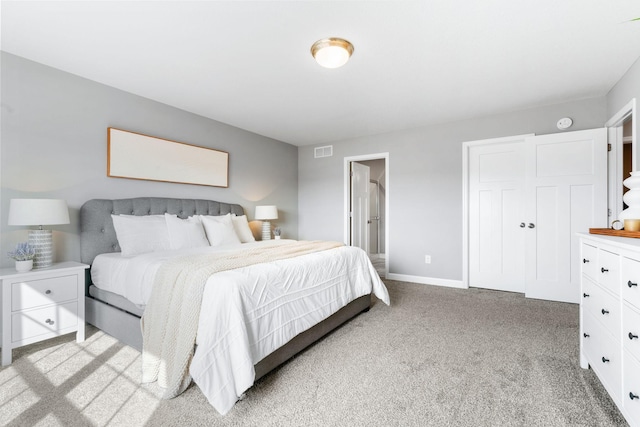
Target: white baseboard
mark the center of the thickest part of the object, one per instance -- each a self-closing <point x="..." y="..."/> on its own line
<point x="427" y="280"/>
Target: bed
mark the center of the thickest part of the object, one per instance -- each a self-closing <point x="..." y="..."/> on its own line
<point x="121" y="317"/>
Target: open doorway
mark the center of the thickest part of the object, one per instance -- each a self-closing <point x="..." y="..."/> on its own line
<point x="622" y="156"/>
<point x="366" y="207"/>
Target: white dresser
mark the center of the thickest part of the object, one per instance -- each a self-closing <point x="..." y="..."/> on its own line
<point x="610" y="317"/>
<point x="41" y="304"/>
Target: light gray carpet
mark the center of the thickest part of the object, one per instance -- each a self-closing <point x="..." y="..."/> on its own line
<point x="436" y="357"/>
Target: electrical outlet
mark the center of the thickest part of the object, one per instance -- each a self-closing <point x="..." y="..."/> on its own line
<point x="427" y="259"/>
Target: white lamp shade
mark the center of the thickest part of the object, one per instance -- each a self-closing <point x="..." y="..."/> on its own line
<point x="38" y="212"/>
<point x="266" y="212"/>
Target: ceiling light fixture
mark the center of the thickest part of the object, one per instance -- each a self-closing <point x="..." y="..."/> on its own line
<point x="332" y="52"/>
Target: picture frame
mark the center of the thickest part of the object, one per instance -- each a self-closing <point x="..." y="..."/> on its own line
<point x="135" y="155"/>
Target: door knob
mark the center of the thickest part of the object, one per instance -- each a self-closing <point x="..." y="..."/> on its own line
<point x="604" y="359"/>
<point x="584" y="260"/>
<point x="630" y="283"/>
<point x="531" y="225"/>
<point x="632" y="336"/>
<point x="604" y="270"/>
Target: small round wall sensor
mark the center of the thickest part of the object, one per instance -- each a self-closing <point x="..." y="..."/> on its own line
<point x="564" y="123"/>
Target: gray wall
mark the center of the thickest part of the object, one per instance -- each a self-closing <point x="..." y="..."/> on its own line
<point x="53" y="145"/>
<point x="425" y="183"/>
<point x="627" y="88"/>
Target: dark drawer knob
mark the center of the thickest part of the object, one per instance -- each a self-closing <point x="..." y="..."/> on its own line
<point x="604" y="359"/>
<point x="631" y="284"/>
<point x="585" y="335"/>
<point x="585" y="295"/>
<point x="522" y="225"/>
<point x="632" y="396"/>
<point x="605" y="311"/>
<point x="48" y="291"/>
<point x="604" y="270"/>
<point x="632" y="336"/>
<point x="49" y="321"/>
<point x="584" y="260"/>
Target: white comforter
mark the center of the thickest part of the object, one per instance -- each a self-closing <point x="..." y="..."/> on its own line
<point x="249" y="312"/>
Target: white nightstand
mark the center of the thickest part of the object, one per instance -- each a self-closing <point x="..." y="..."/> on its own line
<point x="41" y="304"/>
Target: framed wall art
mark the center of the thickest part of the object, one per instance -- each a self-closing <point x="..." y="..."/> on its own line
<point x="137" y="156"/>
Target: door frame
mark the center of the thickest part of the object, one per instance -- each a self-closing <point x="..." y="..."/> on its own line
<point x="347" y="199"/>
<point x="614" y="132"/>
<point x="466" y="147"/>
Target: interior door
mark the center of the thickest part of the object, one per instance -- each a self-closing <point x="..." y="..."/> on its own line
<point x="360" y="206"/>
<point x="566" y="193"/>
<point x="496" y="215"/>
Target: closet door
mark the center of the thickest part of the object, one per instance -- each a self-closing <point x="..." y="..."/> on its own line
<point x="496" y="211"/>
<point x="566" y="193"/>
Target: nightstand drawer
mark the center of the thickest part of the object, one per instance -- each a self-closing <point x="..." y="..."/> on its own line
<point x="35" y="293"/>
<point x="31" y="323"/>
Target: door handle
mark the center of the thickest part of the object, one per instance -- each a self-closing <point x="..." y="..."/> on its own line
<point x="531" y="225"/>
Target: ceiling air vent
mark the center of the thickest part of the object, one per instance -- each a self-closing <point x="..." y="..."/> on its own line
<point x="326" y="151"/>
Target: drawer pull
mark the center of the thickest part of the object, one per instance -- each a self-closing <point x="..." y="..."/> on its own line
<point x="605" y="311"/>
<point x="604" y="359"/>
<point x="585" y="295"/>
<point x="49" y="321"/>
<point x="631" y="336"/>
<point x="584" y="260"/>
<point x="585" y="335"/>
<point x="48" y="291"/>
<point x="631" y="284"/>
<point x="633" y="396"/>
<point x="604" y="270"/>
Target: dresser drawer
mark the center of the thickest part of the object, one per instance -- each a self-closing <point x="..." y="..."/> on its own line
<point x="630" y="278"/>
<point x="590" y="332"/>
<point x="589" y="261"/>
<point x="631" y="330"/>
<point x="32" y="323"/>
<point x="631" y="388"/>
<point x="604" y="307"/>
<point x="35" y="293"/>
<point x="604" y="356"/>
<point x="609" y="271"/>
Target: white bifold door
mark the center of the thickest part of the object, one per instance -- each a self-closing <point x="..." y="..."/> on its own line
<point x="528" y="196"/>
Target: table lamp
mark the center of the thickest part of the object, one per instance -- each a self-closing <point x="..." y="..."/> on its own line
<point x="39" y="212"/>
<point x="264" y="214"/>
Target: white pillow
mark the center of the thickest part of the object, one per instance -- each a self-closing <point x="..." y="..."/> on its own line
<point x="185" y="233"/>
<point x="141" y="234"/>
<point x="219" y="230"/>
<point x="241" y="225"/>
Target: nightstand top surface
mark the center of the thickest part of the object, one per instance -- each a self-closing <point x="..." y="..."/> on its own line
<point x="57" y="267"/>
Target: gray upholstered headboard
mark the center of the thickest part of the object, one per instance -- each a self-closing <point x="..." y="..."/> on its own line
<point x="97" y="235"/>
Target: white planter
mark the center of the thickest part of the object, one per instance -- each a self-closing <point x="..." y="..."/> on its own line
<point x="22" y="266"/>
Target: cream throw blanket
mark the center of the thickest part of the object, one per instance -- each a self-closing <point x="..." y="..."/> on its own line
<point x="170" y="320"/>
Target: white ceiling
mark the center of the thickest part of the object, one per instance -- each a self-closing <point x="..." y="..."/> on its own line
<point x="416" y="63"/>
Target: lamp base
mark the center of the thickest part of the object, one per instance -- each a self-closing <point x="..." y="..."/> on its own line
<point x="42" y="241"/>
<point x="266" y="230"/>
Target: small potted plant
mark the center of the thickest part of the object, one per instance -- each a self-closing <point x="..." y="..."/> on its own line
<point x="276" y="232"/>
<point x="23" y="256"/>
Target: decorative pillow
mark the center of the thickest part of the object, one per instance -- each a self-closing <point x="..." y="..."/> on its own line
<point x="141" y="234"/>
<point x="219" y="230"/>
<point x="185" y="233"/>
<point x="241" y="225"/>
